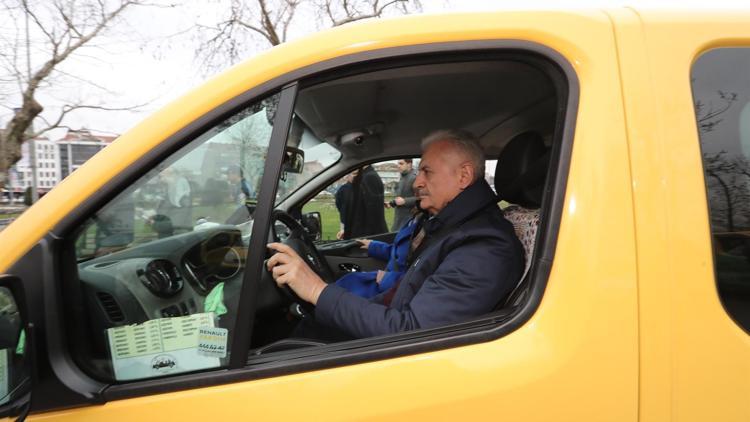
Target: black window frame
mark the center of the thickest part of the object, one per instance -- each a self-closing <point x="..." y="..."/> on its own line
<point x="72" y="387"/>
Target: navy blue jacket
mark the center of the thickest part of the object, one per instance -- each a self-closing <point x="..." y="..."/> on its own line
<point x="471" y="260"/>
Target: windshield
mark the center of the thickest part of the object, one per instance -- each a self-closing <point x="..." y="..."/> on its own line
<point x="213" y="180"/>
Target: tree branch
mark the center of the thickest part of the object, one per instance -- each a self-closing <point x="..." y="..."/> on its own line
<point x="356" y="16"/>
<point x="52" y="39"/>
<point x="66" y="109"/>
<point x="265" y="19"/>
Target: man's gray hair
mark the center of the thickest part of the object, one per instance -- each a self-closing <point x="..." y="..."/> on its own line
<point x="464" y="142"/>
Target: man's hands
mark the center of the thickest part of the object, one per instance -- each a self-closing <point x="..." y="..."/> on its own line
<point x="288" y="268"/>
<point x="364" y="243"/>
<point x="379" y="276"/>
<point x="398" y="201"/>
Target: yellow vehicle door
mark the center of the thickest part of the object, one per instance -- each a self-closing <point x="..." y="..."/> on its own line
<point x="686" y="84"/>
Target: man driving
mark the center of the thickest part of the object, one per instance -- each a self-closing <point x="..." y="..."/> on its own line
<point x="464" y="258"/>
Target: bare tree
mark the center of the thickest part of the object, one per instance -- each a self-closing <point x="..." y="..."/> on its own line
<point x="39" y="36"/>
<point x="271" y="22"/>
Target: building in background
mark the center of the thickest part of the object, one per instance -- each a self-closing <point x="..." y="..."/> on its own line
<point x="77" y="147"/>
<point x="47" y="167"/>
<point x="55" y="160"/>
<point x="389" y="174"/>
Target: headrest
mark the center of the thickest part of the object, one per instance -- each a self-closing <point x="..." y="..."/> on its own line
<point x="522" y="169"/>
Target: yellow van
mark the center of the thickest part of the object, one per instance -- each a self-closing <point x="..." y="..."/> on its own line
<point x="135" y="290"/>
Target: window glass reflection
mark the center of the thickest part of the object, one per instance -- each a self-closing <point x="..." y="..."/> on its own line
<point x="721" y="93"/>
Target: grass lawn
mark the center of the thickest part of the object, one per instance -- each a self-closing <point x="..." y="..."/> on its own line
<point x="330" y="215"/>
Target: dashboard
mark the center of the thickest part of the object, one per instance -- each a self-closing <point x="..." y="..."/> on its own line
<point x="164" y="278"/>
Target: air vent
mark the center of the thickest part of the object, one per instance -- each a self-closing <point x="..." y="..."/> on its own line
<point x="161" y="278"/>
<point x="114" y="313"/>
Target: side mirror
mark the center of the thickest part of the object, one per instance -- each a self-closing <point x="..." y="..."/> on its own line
<point x="313" y="223"/>
<point x="16" y="349"/>
<point x="294" y="160"/>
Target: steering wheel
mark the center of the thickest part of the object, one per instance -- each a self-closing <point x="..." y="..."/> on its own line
<point x="303" y="245"/>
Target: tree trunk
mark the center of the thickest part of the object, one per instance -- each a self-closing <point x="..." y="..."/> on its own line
<point x="14" y="135"/>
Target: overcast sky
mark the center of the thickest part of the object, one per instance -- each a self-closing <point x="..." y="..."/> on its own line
<point x="150" y="59"/>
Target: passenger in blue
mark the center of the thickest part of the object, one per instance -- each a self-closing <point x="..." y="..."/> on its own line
<point x="369" y="284"/>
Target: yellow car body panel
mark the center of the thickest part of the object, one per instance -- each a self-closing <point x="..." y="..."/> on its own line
<point x="630" y="326"/>
<point x="694" y="364"/>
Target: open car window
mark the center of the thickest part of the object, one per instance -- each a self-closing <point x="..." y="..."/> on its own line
<point x="375" y="117"/>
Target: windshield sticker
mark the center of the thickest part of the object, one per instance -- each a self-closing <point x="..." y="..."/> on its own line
<point x="160" y="346"/>
<point x="212" y="341"/>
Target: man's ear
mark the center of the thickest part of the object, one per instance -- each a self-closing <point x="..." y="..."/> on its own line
<point x="466" y="175"/>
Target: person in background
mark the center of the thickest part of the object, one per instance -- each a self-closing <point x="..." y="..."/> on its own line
<point x="344" y="197"/>
<point x="174" y="212"/>
<point x="405" y="199"/>
<point x="366" y="216"/>
<point x="240" y="189"/>
<point x="241" y="195"/>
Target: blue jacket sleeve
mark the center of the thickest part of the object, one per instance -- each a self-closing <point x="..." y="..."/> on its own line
<point x="379" y="250"/>
<point x="462" y="287"/>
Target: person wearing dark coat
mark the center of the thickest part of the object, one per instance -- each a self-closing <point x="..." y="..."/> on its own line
<point x="366" y="215"/>
<point x="405" y="199"/>
<point x="464" y="259"/>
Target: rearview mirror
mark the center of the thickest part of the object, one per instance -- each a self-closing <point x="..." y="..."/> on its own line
<point x="294" y="160"/>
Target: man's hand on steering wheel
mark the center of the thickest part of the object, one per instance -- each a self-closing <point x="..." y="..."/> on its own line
<point x="287" y="267"/>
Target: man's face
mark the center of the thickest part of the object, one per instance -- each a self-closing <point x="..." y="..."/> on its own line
<point x="403" y="166"/>
<point x="443" y="174"/>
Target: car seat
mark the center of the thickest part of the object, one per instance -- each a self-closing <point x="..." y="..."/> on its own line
<point x="520" y="176"/>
